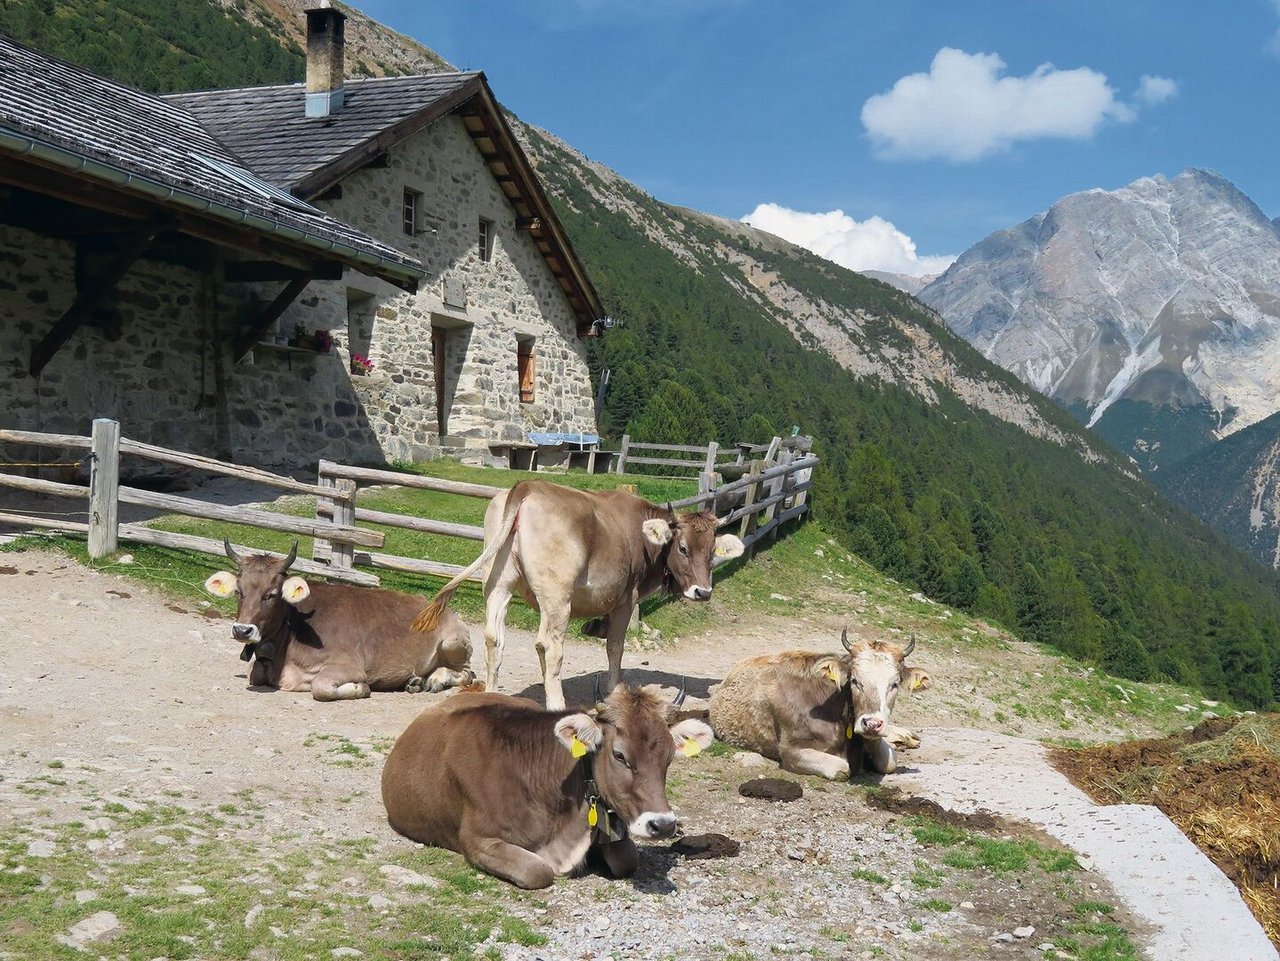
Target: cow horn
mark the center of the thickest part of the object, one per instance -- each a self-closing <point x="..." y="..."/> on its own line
<point x="231" y="552"/>
<point x="671" y="513"/>
<point x="595" y="687"/>
<point x="679" y="701"/>
<point x="911" y="646"/>
<point x="844" y="639"/>
<point x="293" y="556"/>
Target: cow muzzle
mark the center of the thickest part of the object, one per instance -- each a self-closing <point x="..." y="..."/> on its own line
<point x="869" y="725"/>
<point x="698" y="593"/>
<point x="246" y="633"/>
<point x="654" y="826"/>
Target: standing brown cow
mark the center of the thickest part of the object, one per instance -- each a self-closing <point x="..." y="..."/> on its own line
<point x="805" y="709"/>
<point x="572" y="553"/>
<point x="337" y="641"/>
<point x="524" y="793"/>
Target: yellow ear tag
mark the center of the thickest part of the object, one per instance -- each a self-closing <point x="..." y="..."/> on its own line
<point x="690" y="748"/>
<point x="915" y="683"/>
<point x="592" y="815"/>
<point x="831" y="675"/>
<point x="848" y="732"/>
<point x="578" y="749"/>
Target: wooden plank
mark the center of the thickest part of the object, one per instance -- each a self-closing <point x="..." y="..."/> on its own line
<point x="424" y="524"/>
<point x="104" y="487"/>
<point x="677" y="448"/>
<point x="39" y="486"/>
<point x="413" y="565"/>
<point x="622" y="453"/>
<point x="259" y="271"/>
<point x="665" y="462"/>
<point x="200" y="462"/>
<point x="250" y="516"/>
<point x="258" y="328"/>
<point x="762" y="504"/>
<point x="41" y="438"/>
<point x="51" y="523"/>
<point x="378" y="476"/>
<point x="205" y="545"/>
<point x="91" y="295"/>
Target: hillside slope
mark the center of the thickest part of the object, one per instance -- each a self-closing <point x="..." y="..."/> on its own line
<point x="940" y="468"/>
<point x="1153" y="311"/>
<point x="1235" y="486"/>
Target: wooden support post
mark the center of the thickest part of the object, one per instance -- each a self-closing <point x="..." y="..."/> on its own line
<point x="622" y="453"/>
<point x="749" y="518"/>
<point x="104" y="487"/>
<point x="344" y="513"/>
<point x="259" y="327"/>
<point x="712" y="450"/>
<point x="321" y="548"/>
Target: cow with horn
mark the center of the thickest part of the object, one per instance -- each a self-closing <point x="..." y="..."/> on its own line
<point x="592" y="554"/>
<point x="336" y="640"/>
<point x="820" y="713"/>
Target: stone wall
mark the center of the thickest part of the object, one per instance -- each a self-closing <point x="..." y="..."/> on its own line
<point x="511" y="297"/>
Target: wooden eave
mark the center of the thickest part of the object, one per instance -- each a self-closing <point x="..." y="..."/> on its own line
<point x="507" y="162"/>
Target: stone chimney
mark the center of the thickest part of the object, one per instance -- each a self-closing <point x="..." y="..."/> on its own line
<point x="325" y="72"/>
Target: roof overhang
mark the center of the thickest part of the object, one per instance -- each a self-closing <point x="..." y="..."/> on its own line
<point x="59" y="172"/>
<point x="487" y="125"/>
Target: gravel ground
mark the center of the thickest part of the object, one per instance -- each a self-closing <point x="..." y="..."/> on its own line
<point x="140" y="701"/>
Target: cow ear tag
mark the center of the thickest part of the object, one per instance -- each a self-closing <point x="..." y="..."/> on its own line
<point x="831" y="675"/>
<point x="848" y="731"/>
<point x="916" y="682"/>
<point x="578" y="749"/>
<point x="690" y="748"/>
<point x="593" y="816"/>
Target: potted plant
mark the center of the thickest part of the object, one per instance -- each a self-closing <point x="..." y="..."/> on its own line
<point x="361" y="365"/>
<point x="324" y="341"/>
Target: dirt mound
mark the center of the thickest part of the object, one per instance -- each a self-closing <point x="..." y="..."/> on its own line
<point x="1219" y="782"/>
<point x="771" y="789"/>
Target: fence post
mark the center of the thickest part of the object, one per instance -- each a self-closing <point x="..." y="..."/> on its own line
<point x="321" y="549"/>
<point x="104" y="487"/>
<point x="344" y="513"/>
<point x="712" y="450"/>
<point x="747" y="526"/>
<point x="622" y="453"/>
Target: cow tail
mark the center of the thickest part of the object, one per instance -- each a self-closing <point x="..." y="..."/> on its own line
<point x="429" y="617"/>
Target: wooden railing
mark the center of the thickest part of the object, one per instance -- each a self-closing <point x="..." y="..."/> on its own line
<point x="765" y="496"/>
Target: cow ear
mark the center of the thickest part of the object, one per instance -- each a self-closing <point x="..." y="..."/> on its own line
<point x="221" y="584"/>
<point x="691" y="736"/>
<point x="295" y="590"/>
<point x="579" y="733"/>
<point x="657" y="531"/>
<point x="914" y="679"/>
<point x="729" y="545"/>
<point x="833" y="669"/>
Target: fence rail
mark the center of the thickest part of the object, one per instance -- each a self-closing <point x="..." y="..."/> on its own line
<point x="769" y="492"/>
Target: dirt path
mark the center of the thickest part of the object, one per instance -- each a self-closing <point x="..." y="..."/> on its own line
<point x="116" y="702"/>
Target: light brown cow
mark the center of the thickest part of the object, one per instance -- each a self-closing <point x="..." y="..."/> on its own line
<point x="335" y="640"/>
<point x="814" y="713"/>
<point x="524" y="793"/>
<point x="572" y="553"/>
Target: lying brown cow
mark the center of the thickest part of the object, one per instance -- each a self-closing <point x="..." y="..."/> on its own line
<point x="334" y="640"/>
<point x="572" y="553"/>
<point x="808" y="710"/>
<point x="524" y="793"/>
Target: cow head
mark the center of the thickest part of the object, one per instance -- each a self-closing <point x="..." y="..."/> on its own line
<point x="263" y="592"/>
<point x="877" y="673"/>
<point x="632" y="743"/>
<point x="688" y="546"/>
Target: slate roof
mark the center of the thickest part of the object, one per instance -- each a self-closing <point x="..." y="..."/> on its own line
<point x="65" y="115"/>
<point x="266" y="126"/>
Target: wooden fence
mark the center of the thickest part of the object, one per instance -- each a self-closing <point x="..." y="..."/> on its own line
<point x="765" y="496"/>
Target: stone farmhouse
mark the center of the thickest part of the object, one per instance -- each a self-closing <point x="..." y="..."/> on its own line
<point x="159" y="258"/>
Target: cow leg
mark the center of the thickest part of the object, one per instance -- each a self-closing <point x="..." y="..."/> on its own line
<point x="619" y="618"/>
<point x="443" y="678"/>
<point x="497" y="597"/>
<point x="620" y="857"/>
<point x="328" y="686"/>
<point x="453" y="660"/>
<point x="550" y="648"/>
<point x="806" y="760"/>
<point x="901" y="738"/>
<point x="880" y="753"/>
<point x="522" y="868"/>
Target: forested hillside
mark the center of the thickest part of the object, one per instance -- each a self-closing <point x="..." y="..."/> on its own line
<point x="938" y="466"/>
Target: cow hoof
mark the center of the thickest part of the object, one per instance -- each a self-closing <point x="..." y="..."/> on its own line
<point x="435" y="687"/>
<point x="415" y="685"/>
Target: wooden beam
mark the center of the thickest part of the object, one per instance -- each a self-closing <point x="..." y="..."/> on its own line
<point x="528" y="223"/>
<point x="91" y="295"/>
<point x="255" y="331"/>
<point x="256" y="271"/>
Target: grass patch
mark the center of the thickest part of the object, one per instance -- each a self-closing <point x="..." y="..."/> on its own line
<point x="967" y="850"/>
<point x="863" y="874"/>
<point x="936" y="904"/>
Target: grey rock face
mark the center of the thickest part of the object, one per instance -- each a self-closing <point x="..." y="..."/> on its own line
<point x="1165" y="292"/>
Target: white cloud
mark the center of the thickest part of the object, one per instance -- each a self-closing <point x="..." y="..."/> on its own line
<point x="965" y="109"/>
<point x="872" y="244"/>
<point x="1154" y="90"/>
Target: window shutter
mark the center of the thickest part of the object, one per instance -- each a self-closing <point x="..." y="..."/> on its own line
<point x="525" y="366"/>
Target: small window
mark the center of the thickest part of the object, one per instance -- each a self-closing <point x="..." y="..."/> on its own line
<point x="486" y="240"/>
<point x="525" y="367"/>
<point x="412" y="211"/>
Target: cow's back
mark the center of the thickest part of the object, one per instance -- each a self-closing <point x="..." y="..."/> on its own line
<point x="763" y="695"/>
<point x="453" y="759"/>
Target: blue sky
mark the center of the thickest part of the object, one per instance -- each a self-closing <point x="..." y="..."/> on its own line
<point x="937" y="121"/>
